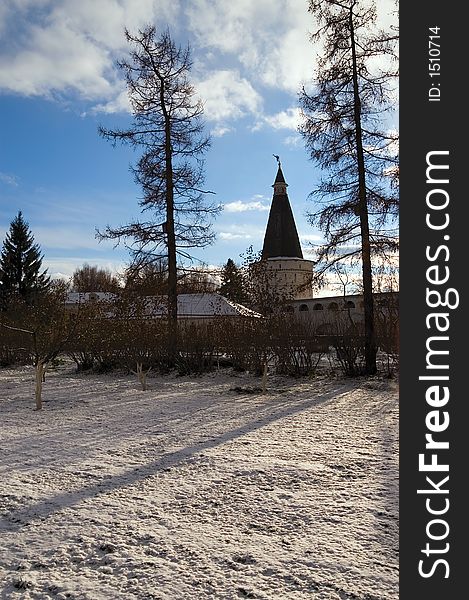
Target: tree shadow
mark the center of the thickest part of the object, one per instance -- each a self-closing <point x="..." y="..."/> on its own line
<point x="43" y="509"/>
<point x="387" y="519"/>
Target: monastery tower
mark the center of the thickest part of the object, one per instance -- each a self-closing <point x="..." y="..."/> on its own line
<point x="289" y="273"/>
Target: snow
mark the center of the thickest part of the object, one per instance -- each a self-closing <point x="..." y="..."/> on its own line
<point x="82" y="297"/>
<point x="210" y="304"/>
<point x="200" y="305"/>
<point x="192" y="490"/>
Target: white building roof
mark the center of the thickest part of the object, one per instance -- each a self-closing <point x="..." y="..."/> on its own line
<point x="80" y="297"/>
<point x="199" y="306"/>
<point x="203" y="306"/>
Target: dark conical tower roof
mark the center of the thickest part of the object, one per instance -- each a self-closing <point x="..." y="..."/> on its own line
<point x="279" y="178"/>
<point x="281" y="236"/>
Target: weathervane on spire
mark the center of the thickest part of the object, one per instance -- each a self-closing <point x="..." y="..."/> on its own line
<point x="278" y="158"/>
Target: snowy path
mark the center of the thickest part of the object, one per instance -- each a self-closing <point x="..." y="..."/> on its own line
<point x="193" y="491"/>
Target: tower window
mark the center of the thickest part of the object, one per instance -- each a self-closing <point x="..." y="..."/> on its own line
<point x="303" y="307"/>
<point x="318" y="306"/>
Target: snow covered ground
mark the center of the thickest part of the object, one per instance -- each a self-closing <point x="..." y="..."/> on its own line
<point x="192" y="490"/>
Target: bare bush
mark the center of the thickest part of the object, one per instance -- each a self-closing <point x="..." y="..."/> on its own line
<point x="198" y="345"/>
<point x="296" y="347"/>
<point x="347" y="338"/>
<point x="387" y="329"/>
<point x="15" y="347"/>
<point x="39" y="330"/>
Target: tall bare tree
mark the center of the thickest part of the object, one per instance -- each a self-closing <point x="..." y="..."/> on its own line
<point x="343" y="132"/>
<point x="90" y="278"/>
<point x="167" y="126"/>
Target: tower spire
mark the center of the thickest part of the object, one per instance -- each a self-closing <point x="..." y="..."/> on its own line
<point x="280" y="185"/>
<point x="281" y="236"/>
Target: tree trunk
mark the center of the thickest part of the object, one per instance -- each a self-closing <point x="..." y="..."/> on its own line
<point x="370" y="335"/>
<point x="171" y="238"/>
<point x="142" y="375"/>
<point x="40" y="376"/>
<point x="264" y="376"/>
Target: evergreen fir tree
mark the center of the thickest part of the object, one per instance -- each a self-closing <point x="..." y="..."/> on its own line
<point x="20" y="265"/>
<point x="232" y="283"/>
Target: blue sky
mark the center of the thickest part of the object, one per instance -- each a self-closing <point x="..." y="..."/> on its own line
<point x="58" y="82"/>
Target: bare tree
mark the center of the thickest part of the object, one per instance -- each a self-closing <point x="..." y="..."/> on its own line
<point x="343" y="131"/>
<point x="260" y="293"/>
<point x="167" y="126"/>
<point x="196" y="281"/>
<point x="43" y="328"/>
<point x="90" y="278"/>
<point x="151" y="279"/>
<point x="147" y="279"/>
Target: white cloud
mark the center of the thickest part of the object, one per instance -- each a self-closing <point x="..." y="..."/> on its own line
<point x="308" y="252"/>
<point x="221" y="130"/>
<point x="227" y="95"/>
<point x="310" y="237"/>
<point x="293" y="141"/>
<point x="229" y="26"/>
<point x="118" y="104"/>
<point x="228" y="235"/>
<point x="393" y="147"/>
<point x="240" y="206"/>
<point x="9" y="179"/>
<point x="69" y="46"/>
<point x="234" y="232"/>
<point x="290" y="62"/>
<point x="391" y="172"/>
<point x="270" y="39"/>
<point x="64" y="267"/>
<point x="63" y="47"/>
<point x="57" y="60"/>
<point x="285" y="119"/>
